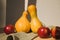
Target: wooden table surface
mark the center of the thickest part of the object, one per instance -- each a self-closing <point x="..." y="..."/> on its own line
<point x="38" y="38"/>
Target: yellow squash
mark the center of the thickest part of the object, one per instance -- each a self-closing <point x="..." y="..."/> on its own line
<point x="22" y="24"/>
<point x="35" y="22"/>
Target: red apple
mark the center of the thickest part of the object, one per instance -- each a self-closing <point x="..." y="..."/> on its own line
<point x="44" y="32"/>
<point x="55" y="32"/>
<point x="9" y="29"/>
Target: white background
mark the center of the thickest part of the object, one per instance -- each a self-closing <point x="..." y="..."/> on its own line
<point x="48" y="12"/>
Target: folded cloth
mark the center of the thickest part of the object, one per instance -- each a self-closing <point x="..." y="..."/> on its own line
<point x="20" y="36"/>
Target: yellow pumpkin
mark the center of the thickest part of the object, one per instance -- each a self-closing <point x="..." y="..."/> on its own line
<point x="22" y="24"/>
<point x="35" y="22"/>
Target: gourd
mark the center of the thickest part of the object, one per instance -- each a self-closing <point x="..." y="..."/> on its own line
<point x="35" y="22"/>
<point x="22" y="24"/>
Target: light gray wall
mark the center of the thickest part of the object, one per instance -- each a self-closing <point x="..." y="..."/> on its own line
<point x="2" y="13"/>
<point x="49" y="12"/>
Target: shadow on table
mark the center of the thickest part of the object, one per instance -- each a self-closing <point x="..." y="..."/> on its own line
<point x="16" y="38"/>
<point x="57" y="39"/>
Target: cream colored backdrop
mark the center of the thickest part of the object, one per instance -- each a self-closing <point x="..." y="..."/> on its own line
<point x="49" y="12"/>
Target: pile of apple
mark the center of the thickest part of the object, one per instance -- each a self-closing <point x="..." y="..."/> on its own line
<point x="45" y="32"/>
